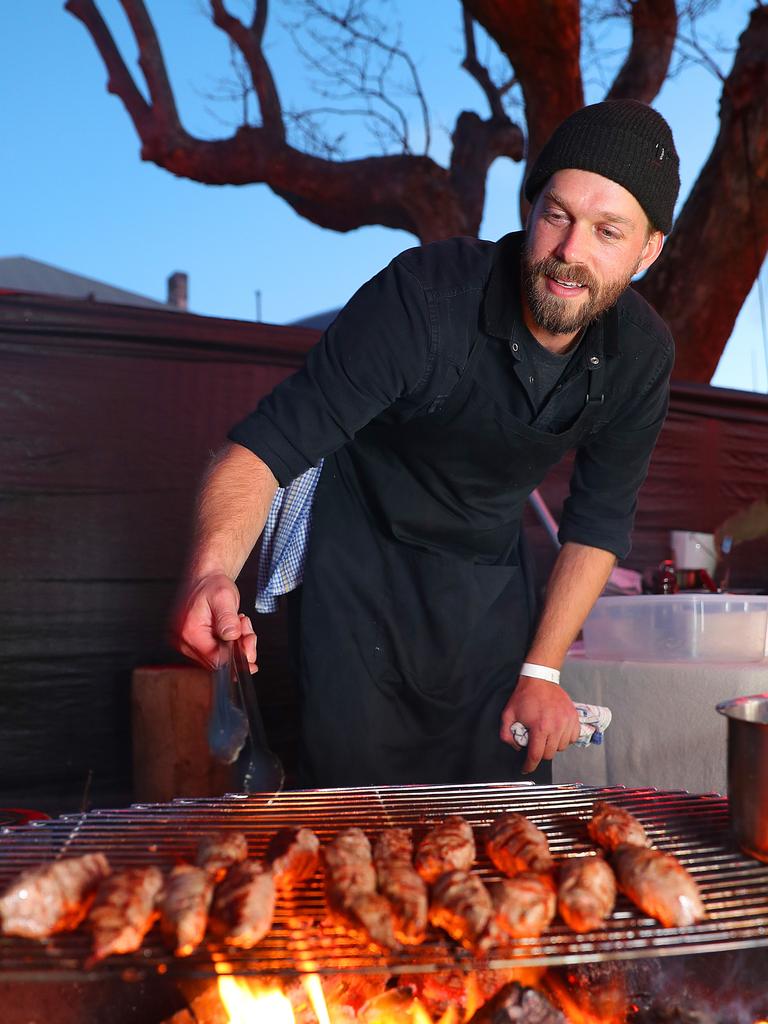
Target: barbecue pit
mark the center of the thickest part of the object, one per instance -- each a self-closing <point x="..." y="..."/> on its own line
<point x="695" y="828"/>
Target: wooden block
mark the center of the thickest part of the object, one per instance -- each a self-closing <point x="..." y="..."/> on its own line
<point x="169" y="710"/>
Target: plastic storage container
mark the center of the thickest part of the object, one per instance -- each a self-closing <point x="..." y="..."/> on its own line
<point x="678" y="627"/>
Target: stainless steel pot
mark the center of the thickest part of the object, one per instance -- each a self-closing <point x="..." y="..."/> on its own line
<point x="748" y="771"/>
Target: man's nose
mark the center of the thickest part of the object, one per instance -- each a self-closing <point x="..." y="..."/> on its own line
<point x="572" y="245"/>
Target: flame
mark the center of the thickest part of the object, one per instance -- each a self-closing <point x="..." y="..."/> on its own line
<point x="314" y="989"/>
<point x="260" y="1005"/>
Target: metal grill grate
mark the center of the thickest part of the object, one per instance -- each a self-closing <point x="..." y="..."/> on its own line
<point x="696" y="828"/>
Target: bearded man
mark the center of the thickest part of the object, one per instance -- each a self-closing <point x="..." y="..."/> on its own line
<point x="443" y="393"/>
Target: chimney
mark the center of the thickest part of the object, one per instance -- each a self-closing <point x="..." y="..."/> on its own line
<point x="178" y="286"/>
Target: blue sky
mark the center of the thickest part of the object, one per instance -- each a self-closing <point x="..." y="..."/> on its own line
<point x="78" y="195"/>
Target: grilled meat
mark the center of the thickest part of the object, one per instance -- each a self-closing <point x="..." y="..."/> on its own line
<point x="659" y="885"/>
<point x="586" y="892"/>
<point x="52" y="897"/>
<point x="184" y="907"/>
<point x="449" y="846"/>
<point x="401" y="883"/>
<point x="523" y="907"/>
<point x="294" y="855"/>
<point x="244" y="904"/>
<point x="124" y="910"/>
<point x="217" y="852"/>
<point x="350" y="888"/>
<point x="461" y="905"/>
<point x="611" y="826"/>
<point x="514" y="844"/>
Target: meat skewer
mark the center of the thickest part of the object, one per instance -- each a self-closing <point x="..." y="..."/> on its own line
<point x="52" y="897"/>
<point x="515" y="844"/>
<point x="461" y="905"/>
<point x="244" y="904"/>
<point x="401" y="884"/>
<point x="124" y="910"/>
<point x="184" y="908"/>
<point x="294" y="856"/>
<point x="611" y="826"/>
<point x="217" y="852"/>
<point x="586" y="892"/>
<point x="659" y="885"/>
<point x="350" y="888"/>
<point x="449" y="846"/>
<point x="523" y="907"/>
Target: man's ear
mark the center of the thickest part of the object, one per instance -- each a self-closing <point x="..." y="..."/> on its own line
<point x="652" y="251"/>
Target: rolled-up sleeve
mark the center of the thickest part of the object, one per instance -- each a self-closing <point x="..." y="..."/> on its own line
<point x="611" y="467"/>
<point x="376" y="351"/>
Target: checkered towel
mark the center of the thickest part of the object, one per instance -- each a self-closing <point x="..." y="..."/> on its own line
<point x="593" y="721"/>
<point x="284" y="540"/>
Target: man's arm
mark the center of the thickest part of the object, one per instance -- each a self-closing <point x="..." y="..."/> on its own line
<point x="577" y="580"/>
<point x="232" y="507"/>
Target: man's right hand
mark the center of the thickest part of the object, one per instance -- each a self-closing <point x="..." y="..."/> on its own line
<point x="205" y="615"/>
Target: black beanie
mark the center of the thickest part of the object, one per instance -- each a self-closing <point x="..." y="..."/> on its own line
<point x="624" y="140"/>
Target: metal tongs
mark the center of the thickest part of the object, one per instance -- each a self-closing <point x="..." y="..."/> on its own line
<point x="236" y="730"/>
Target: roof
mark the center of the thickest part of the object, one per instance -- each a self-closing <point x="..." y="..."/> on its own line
<point x="318" y="320"/>
<point x="21" y="274"/>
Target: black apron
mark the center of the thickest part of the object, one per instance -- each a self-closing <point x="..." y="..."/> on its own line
<point x="417" y="610"/>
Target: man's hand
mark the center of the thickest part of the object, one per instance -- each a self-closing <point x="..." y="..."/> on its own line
<point x="206" y="614"/>
<point x="548" y="714"/>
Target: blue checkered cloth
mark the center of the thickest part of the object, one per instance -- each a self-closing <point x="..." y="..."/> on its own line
<point x="284" y="540"/>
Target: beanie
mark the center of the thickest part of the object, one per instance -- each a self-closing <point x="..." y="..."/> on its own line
<point x="624" y="140"/>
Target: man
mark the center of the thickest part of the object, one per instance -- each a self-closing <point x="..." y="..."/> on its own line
<point x="440" y="397"/>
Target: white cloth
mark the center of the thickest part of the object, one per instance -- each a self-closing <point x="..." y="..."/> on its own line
<point x="593" y="721"/>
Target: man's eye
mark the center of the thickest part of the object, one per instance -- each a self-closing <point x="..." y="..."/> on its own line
<point x="556" y="216"/>
<point x="611" y="234"/>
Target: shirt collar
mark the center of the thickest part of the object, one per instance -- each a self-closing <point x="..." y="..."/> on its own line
<point x="502" y="309"/>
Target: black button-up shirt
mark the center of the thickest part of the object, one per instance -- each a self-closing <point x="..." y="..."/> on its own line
<point x="398" y="347"/>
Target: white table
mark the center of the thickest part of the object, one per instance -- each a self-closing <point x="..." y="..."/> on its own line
<point x="665" y="730"/>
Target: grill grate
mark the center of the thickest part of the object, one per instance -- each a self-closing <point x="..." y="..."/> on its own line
<point x="696" y="828"/>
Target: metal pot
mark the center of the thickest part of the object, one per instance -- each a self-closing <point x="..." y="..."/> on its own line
<point x="748" y="771"/>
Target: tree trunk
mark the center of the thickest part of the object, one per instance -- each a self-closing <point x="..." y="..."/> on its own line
<point x="720" y="239"/>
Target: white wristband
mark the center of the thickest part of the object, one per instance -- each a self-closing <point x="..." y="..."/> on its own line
<point x="540" y="672"/>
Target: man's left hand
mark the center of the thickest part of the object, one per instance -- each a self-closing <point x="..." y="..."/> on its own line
<point x="549" y="715"/>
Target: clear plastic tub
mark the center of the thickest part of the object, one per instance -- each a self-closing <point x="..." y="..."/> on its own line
<point x="678" y="627"/>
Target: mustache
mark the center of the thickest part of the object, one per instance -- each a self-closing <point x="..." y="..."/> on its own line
<point x="574" y="273"/>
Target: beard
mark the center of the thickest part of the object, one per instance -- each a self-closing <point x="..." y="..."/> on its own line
<point x="563" y="316"/>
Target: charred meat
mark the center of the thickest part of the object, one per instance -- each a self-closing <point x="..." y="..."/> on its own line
<point x="184" y="908"/>
<point x="350" y="888"/>
<point x="52" y="897"/>
<point x="449" y="846"/>
<point x="514" y="844"/>
<point x="461" y="905"/>
<point x="659" y="885"/>
<point x="401" y="883"/>
<point x="611" y="826"/>
<point x="586" y="892"/>
<point x="244" y="904"/>
<point x="523" y="907"/>
<point x="124" y="910"/>
<point x="217" y="852"/>
<point x="294" y="855"/>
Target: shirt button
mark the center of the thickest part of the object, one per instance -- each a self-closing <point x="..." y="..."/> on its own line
<point x="531" y="380"/>
<point x="515" y="346"/>
<point x="594" y="360"/>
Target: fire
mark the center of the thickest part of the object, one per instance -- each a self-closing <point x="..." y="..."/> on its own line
<point x="246" y="1006"/>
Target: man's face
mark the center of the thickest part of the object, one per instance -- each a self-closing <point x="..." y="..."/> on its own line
<point x="586" y="238"/>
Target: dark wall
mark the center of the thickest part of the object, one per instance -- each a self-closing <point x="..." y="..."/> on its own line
<point x="109" y="415"/>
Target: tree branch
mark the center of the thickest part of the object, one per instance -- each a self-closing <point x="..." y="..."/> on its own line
<point x="248" y="41"/>
<point x="721" y="236"/>
<point x="541" y="38"/>
<point x="120" y="81"/>
<point x="654" y="30"/>
<point x="152" y="65"/>
<point x="478" y="71"/>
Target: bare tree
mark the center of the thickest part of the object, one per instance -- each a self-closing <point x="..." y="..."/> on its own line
<point x="714" y="253"/>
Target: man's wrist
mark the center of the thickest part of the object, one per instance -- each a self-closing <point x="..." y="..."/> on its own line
<point x="536" y="671"/>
